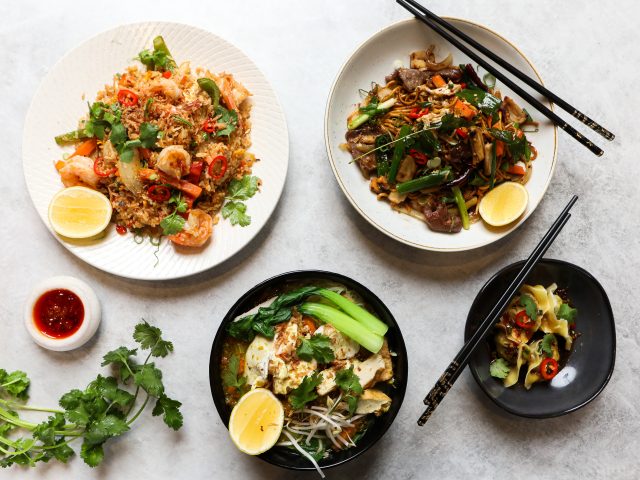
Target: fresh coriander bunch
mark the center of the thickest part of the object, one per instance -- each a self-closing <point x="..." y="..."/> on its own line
<point x="105" y="409"/>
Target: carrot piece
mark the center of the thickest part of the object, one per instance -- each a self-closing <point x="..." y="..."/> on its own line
<point x="182" y="185"/>
<point x="463" y="110"/>
<point x="86" y="148"/>
<point x="310" y="324"/>
<point x="60" y="165"/>
<point x="499" y="148"/>
<point x="438" y="81"/>
<point x="517" y="169"/>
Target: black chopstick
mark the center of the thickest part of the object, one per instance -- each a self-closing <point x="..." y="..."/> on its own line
<point x="453" y="371"/>
<point x="592" y="124"/>
<point x="562" y="124"/>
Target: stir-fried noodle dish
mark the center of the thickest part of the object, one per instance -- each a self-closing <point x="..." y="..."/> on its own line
<point x="435" y="138"/>
<point x="168" y="146"/>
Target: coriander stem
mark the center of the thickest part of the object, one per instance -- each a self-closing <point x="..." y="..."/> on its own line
<point x="144" y="404"/>
<point x="19" y="406"/>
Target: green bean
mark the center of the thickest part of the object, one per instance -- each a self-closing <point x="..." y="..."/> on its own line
<point x="71" y="137"/>
<point x="212" y="89"/>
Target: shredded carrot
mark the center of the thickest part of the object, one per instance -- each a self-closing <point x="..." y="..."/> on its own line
<point x="499" y="148"/>
<point x="438" y="81"/>
<point x="241" y="366"/>
<point x="86" y="148"/>
<point x="463" y="110"/>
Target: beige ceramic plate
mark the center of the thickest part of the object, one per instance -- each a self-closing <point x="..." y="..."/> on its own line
<point x="61" y="100"/>
<point x="372" y="61"/>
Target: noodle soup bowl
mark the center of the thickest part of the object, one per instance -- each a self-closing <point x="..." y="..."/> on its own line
<point x="287" y="457"/>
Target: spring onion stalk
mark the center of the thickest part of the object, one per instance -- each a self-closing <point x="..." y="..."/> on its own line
<point x="428" y="181"/>
<point x="365" y="117"/>
<point x="398" y="152"/>
<point x="462" y="206"/>
<point x="71" y="137"/>
<point x="212" y="89"/>
<point x="344" y="324"/>
<point x="493" y="165"/>
<point x="356" y="311"/>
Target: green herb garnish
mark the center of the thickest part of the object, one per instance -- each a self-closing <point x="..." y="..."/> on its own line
<point x="317" y="347"/>
<point x="547" y="343"/>
<point x="499" y="368"/>
<point x="567" y="313"/>
<point x="529" y="305"/>
<point x="349" y="383"/>
<point x="230" y="375"/>
<point x="239" y="190"/>
<point x="306" y="391"/>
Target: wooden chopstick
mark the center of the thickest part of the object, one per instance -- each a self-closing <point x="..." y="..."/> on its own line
<point x="592" y="124"/>
<point x="562" y="124"/>
<point x="455" y="368"/>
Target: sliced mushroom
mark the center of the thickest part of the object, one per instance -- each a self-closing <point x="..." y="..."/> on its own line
<point x="407" y="169"/>
<point x="516" y="114"/>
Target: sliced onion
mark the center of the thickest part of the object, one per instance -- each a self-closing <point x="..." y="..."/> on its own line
<point x="440" y="65"/>
<point x="129" y="173"/>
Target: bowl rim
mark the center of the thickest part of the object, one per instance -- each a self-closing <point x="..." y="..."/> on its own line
<point x="400" y="350"/>
<point x="341" y="183"/>
<point x="607" y="305"/>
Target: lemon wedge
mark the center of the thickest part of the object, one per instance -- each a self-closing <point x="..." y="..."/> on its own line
<point x="79" y="212"/>
<point x="256" y="421"/>
<point x="504" y="204"/>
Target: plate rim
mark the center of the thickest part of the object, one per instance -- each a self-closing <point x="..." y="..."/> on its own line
<point x="158" y="24"/>
<point x="607" y="302"/>
<point x="352" y="201"/>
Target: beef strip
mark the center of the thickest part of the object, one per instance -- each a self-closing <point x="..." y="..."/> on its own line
<point x="439" y="219"/>
<point x="360" y="139"/>
<point x="411" y="78"/>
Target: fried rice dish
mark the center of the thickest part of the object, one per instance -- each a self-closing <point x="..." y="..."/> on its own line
<point x="168" y="146"/>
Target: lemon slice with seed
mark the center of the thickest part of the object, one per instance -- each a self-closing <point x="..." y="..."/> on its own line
<point x="79" y="212"/>
<point x="256" y="421"/>
<point x="504" y="204"/>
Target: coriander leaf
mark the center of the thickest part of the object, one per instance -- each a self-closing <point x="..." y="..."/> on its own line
<point x="91" y="454"/>
<point x="15" y="383"/>
<point x="118" y="135"/>
<point x="348" y="381"/>
<point x="45" y="431"/>
<point x="235" y="212"/>
<point x="62" y="452"/>
<point x="305" y="392"/>
<point x="242" y="189"/>
<point x="150" y="337"/>
<point x="499" y="368"/>
<point x="318" y="347"/>
<point x="530" y="306"/>
<point x="548" y="341"/>
<point x="107" y="388"/>
<point x="148" y="134"/>
<point x="567" y="313"/>
<point x="230" y="377"/>
<point x="227" y="117"/>
<point x="106" y="427"/>
<point x="3" y="375"/>
<point x="486" y="102"/>
<point x="170" y="411"/>
<point x="172" y="224"/>
<point x="352" y="403"/>
<point x="118" y="357"/>
<point x="149" y="378"/>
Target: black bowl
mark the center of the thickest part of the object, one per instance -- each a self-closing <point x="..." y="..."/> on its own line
<point x="590" y="362"/>
<point x="283" y="457"/>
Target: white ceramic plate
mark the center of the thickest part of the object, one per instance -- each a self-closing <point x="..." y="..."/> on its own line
<point x="371" y="62"/>
<point x="62" y="98"/>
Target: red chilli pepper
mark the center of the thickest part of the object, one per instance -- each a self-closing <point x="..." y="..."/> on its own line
<point x="222" y="160"/>
<point x="127" y="97"/>
<point x="548" y="368"/>
<point x="159" y="193"/>
<point x="523" y="320"/>
<point x="417" y="113"/>
<point x="121" y="229"/>
<point x="98" y="168"/>
<point x="419" y="157"/>
<point x="195" y="171"/>
<point x="209" y="126"/>
<point x="462" y="132"/>
<point x="463" y="85"/>
<point x="166" y="74"/>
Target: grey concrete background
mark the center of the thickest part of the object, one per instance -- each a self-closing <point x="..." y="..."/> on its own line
<point x="585" y="51"/>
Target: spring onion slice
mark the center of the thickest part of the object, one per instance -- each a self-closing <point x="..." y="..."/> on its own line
<point x="372" y="323"/>
<point x="344" y="324"/>
<point x="303" y="452"/>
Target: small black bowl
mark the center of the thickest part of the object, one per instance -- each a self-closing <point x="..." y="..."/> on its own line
<point x="589" y="364"/>
<point x="263" y="291"/>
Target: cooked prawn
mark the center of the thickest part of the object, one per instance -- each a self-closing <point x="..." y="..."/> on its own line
<point x="166" y="87"/>
<point x="78" y="170"/>
<point x="196" y="231"/>
<point x="174" y="160"/>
